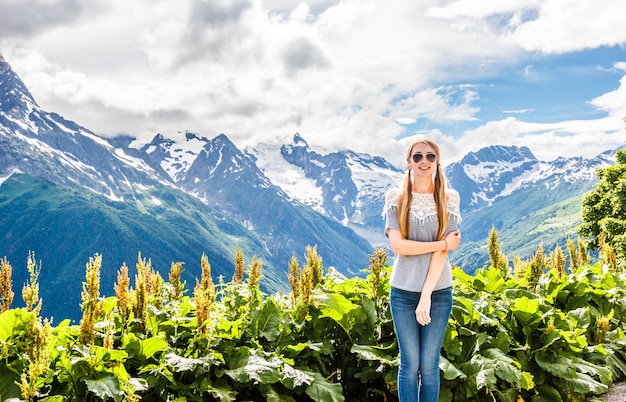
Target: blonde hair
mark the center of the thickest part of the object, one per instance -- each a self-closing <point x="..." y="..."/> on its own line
<point x="406" y="193"/>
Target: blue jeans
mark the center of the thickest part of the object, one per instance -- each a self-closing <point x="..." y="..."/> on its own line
<point x="420" y="345"/>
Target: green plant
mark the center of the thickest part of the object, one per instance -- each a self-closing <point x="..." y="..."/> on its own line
<point x="535" y="336"/>
<point x="604" y="209"/>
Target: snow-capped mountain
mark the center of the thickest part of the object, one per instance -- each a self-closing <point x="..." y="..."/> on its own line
<point x="530" y="202"/>
<point x="67" y="193"/>
<point x="46" y="145"/>
<point x="497" y="172"/>
<point x="349" y="187"/>
<point x="346" y="186"/>
<point x="229" y="181"/>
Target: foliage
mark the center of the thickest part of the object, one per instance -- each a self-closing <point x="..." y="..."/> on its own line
<point x="539" y="335"/>
<point x="522" y="223"/>
<point x="497" y="257"/>
<point x="6" y="285"/>
<point x="604" y="208"/>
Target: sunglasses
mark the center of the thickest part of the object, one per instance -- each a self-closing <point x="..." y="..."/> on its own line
<point x="429" y="156"/>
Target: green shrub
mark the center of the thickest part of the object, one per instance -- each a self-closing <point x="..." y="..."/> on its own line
<point x="550" y="336"/>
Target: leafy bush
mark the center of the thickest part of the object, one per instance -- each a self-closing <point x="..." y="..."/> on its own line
<point x="542" y="336"/>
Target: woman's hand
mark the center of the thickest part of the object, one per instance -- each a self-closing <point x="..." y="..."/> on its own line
<point x="453" y="239"/>
<point x="422" y="312"/>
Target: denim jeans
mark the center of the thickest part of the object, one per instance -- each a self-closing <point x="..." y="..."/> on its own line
<point x="419" y="345"/>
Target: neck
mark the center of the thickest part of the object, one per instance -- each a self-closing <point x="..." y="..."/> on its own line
<point x="423" y="185"/>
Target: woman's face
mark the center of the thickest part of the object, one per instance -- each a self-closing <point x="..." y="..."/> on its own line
<point x="423" y="159"/>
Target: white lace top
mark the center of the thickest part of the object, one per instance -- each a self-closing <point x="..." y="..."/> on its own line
<point x="409" y="271"/>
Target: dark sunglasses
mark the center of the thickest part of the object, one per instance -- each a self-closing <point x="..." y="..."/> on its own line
<point x="430" y="157"/>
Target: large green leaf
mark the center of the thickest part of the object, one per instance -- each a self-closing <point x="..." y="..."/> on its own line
<point x="450" y="372"/>
<point x="505" y="368"/>
<point x="13" y="322"/>
<point x="223" y="393"/>
<point x="376" y="353"/>
<point x="105" y="386"/>
<point x="336" y="306"/>
<point x="323" y="390"/>
<point x="257" y="370"/>
<point x="603" y="373"/>
<point x="582" y="384"/>
<point x="144" y="348"/>
<point x="9" y="381"/>
<point x="464" y="312"/>
<point x="463" y="277"/>
<point x="581" y="317"/>
<point x="293" y="378"/>
<point x="181" y="363"/>
<point x="266" y="321"/>
<point x="526" y="311"/>
<point x="272" y="395"/>
<point x="616" y="362"/>
<point x="547" y="393"/>
<point x="341" y="310"/>
<point x="557" y="365"/>
<point x="486" y="376"/>
<point x="491" y="279"/>
<point x="452" y="343"/>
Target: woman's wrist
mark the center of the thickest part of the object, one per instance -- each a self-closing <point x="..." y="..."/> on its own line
<point x="445" y="248"/>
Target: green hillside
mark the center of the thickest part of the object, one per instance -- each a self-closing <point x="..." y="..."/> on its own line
<point x="522" y="226"/>
<point x="64" y="228"/>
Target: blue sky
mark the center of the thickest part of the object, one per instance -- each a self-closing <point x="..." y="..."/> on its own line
<point x="545" y="89"/>
<point x="367" y="75"/>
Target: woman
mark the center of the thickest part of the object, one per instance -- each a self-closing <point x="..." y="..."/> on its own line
<point x="422" y="219"/>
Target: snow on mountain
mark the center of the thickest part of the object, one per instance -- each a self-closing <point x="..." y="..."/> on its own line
<point x="290" y="178"/>
<point x="305" y="176"/>
<point x="175" y="154"/>
<point x="373" y="176"/>
<point x="346" y="186"/>
<point x="497" y="172"/>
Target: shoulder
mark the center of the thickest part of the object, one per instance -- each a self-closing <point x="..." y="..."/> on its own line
<point x="393" y="192"/>
<point x="453" y="196"/>
<point x="454" y="203"/>
<point x="391" y="200"/>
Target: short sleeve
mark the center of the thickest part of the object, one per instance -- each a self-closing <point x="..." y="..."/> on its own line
<point x="454" y="205"/>
<point x="390" y="211"/>
<point x="454" y="213"/>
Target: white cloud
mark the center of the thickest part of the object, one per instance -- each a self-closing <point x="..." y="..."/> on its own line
<point x="547" y="140"/>
<point x="614" y="102"/>
<point x="343" y="73"/>
<point x="566" y="25"/>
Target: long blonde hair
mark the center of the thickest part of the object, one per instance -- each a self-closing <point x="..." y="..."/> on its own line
<point x="406" y="193"/>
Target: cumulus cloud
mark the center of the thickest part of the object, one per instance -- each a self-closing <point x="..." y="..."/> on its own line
<point x="25" y="18"/>
<point x="343" y="73"/>
<point x="614" y="102"/>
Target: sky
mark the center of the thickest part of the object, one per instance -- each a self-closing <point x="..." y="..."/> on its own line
<point x="365" y="75"/>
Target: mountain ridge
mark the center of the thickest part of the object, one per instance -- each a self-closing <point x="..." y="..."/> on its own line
<point x="43" y="153"/>
<point x="187" y="191"/>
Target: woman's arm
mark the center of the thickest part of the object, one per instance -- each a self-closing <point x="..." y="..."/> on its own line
<point x="437" y="262"/>
<point x="435" y="268"/>
<point x="402" y="246"/>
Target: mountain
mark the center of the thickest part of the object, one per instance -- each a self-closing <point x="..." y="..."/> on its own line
<point x="497" y="172"/>
<point x="67" y="193"/>
<point x="530" y="202"/>
<point x="346" y="186"/>
<point x="224" y="178"/>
